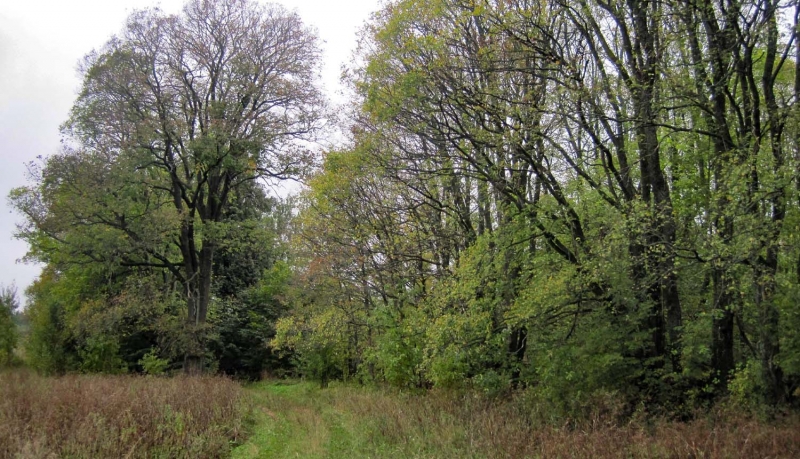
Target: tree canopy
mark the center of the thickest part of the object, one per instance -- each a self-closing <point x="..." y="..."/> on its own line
<point x="578" y="196"/>
<point x="176" y="117"/>
<point x="575" y="198"/>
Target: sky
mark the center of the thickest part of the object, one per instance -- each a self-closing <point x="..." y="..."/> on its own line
<point x="41" y="42"/>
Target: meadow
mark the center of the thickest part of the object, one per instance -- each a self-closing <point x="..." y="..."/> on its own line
<point x="301" y="420"/>
<point x="91" y="416"/>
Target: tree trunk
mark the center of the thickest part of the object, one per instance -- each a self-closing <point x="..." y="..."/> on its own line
<point x="517" y="345"/>
<point x="769" y="316"/>
<point x="198" y="296"/>
<point x="722" y="323"/>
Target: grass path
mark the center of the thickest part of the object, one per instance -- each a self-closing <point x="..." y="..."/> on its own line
<point x="285" y="424"/>
<point x="295" y="420"/>
<point x="298" y="420"/>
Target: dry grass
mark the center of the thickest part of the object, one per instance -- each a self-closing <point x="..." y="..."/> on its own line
<point x="118" y="416"/>
<point x="432" y="424"/>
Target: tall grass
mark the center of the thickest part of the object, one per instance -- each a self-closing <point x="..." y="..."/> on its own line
<point x="473" y="426"/>
<point x="118" y="416"/>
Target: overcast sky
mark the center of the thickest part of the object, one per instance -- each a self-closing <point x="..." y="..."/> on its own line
<point x="41" y="42"/>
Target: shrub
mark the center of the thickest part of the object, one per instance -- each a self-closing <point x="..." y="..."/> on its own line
<point x="153" y="365"/>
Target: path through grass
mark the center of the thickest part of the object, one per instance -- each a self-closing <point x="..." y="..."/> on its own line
<point x="299" y="420"/>
<point x="284" y="423"/>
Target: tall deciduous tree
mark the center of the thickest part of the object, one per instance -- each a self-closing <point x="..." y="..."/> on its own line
<point x="175" y="115"/>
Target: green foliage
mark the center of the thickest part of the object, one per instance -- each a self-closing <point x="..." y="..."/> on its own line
<point x="244" y="324"/>
<point x="152" y="364"/>
<point x="397" y="353"/>
<point x="319" y="348"/>
<point x="518" y="210"/>
<point x="9" y="334"/>
<point x="747" y="388"/>
<point x="100" y="354"/>
<point x="79" y="324"/>
<point x="49" y="346"/>
<point x="251" y="287"/>
<point x="165" y="199"/>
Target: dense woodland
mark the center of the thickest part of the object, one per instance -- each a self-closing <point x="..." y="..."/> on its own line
<point x="575" y="199"/>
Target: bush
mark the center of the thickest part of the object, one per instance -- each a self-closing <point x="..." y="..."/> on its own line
<point x="153" y="365"/>
<point x="100" y="354"/>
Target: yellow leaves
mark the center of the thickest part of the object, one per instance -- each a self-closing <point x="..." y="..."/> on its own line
<point x="549" y="290"/>
<point x="319" y="328"/>
<point x="287" y="333"/>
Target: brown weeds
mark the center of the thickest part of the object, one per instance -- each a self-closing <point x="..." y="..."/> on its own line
<point x="466" y="425"/>
<point x="118" y="416"/>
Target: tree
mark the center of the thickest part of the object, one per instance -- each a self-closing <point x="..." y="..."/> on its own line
<point x="175" y="115"/>
<point x="251" y="275"/>
<point x="605" y="181"/>
<point x="8" y="327"/>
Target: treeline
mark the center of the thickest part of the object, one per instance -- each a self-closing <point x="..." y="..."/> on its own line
<point x="583" y="199"/>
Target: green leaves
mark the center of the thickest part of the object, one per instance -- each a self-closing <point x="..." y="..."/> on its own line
<point x="9" y="333"/>
<point x="524" y="203"/>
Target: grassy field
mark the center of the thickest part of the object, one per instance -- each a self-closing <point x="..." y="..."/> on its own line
<point x="140" y="417"/>
<point x="299" y="420"/>
<point x="82" y="416"/>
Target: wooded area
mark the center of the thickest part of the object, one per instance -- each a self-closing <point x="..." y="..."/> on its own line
<point x="577" y="199"/>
